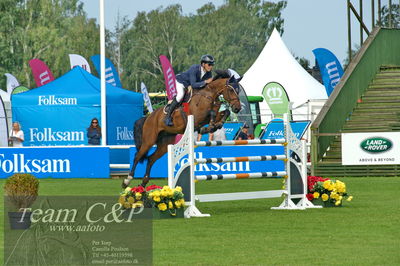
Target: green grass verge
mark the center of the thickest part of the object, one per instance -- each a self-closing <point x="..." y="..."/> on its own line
<point x="362" y="232"/>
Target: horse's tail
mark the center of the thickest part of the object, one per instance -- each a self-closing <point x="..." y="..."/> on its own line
<point x="138" y="132"/>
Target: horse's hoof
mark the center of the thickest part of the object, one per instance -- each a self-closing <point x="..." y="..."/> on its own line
<point x="126" y="182"/>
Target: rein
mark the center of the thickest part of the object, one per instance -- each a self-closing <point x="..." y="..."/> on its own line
<point x="219" y="92"/>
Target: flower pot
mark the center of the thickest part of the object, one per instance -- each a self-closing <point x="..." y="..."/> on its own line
<point x="168" y="214"/>
<point x="19" y="220"/>
<point x="324" y="204"/>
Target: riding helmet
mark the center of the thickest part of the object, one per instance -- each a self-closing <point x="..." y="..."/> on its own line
<point x="209" y="59"/>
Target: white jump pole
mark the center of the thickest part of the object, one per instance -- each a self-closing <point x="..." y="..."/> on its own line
<point x="103" y="76"/>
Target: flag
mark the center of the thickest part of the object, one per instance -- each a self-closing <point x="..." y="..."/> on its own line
<point x="146" y="97"/>
<point x="41" y="72"/>
<point x="3" y="125"/>
<point x="330" y="68"/>
<point x="111" y="73"/>
<point x="12" y="82"/>
<point x="169" y="77"/>
<point x="19" y="89"/>
<point x="78" y="60"/>
<point x="277" y="99"/>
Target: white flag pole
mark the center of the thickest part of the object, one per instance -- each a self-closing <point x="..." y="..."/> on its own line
<point x="103" y="76"/>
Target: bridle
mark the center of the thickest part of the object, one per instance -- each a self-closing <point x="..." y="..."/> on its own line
<point x="228" y="87"/>
<point x="220" y="92"/>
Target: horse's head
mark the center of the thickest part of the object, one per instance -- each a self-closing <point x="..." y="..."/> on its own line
<point x="231" y="93"/>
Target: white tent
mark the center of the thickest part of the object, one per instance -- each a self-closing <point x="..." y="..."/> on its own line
<point x="276" y="64"/>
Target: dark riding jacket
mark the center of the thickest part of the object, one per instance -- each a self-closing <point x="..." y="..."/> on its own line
<point x="192" y="77"/>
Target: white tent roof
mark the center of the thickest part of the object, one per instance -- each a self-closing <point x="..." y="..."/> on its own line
<point x="276" y="63"/>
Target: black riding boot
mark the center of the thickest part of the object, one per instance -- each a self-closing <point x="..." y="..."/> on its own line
<point x="168" y="118"/>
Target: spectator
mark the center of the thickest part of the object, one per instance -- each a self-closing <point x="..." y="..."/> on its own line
<point x="94" y="132"/>
<point x="16" y="136"/>
<point x="244" y="133"/>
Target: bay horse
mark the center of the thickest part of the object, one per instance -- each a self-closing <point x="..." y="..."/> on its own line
<point x="204" y="106"/>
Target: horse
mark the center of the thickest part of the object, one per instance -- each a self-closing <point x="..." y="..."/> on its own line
<point x="204" y="106"/>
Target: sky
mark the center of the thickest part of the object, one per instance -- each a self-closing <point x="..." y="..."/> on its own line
<point x="309" y="24"/>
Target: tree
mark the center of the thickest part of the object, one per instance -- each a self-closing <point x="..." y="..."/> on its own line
<point x="152" y="34"/>
<point x="114" y="39"/>
<point x="44" y="29"/>
<point x="390" y="21"/>
<point x="234" y="33"/>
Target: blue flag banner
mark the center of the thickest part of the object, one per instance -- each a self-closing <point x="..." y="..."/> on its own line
<point x="112" y="76"/>
<point x="160" y="169"/>
<point x="274" y="129"/>
<point x="330" y="68"/>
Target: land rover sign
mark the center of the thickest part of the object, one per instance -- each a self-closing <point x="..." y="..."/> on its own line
<point x="376" y="145"/>
<point x="371" y="148"/>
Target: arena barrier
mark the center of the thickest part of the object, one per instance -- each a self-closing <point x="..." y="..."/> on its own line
<point x="295" y="187"/>
<point x="120" y="166"/>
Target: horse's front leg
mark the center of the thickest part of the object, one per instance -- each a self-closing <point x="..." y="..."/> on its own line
<point x="211" y="125"/>
<point x="221" y="118"/>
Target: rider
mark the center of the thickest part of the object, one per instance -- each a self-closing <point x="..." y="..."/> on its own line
<point x="197" y="76"/>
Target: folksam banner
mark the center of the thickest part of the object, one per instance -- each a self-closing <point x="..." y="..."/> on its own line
<point x="78" y="60"/>
<point x="112" y="76"/>
<point x="169" y="77"/>
<point x="274" y="129"/>
<point x="41" y="72"/>
<point x="330" y="67"/>
<point x="146" y="97"/>
<point x="56" y="162"/>
<point x="277" y="99"/>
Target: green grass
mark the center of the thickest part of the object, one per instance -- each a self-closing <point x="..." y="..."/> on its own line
<point x="362" y="232"/>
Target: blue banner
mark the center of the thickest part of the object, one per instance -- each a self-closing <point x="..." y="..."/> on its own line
<point x="160" y="169"/>
<point x="330" y="68"/>
<point x="56" y="162"/>
<point x="274" y="129"/>
<point x="112" y="76"/>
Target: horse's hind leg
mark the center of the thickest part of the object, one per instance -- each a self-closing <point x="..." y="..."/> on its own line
<point x="139" y="155"/>
<point x="162" y="148"/>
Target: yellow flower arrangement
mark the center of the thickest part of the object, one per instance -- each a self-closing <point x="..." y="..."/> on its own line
<point x="162" y="198"/>
<point x="330" y="191"/>
<point x="167" y="199"/>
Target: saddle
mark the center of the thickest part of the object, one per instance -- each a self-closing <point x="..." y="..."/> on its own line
<point x="186" y="100"/>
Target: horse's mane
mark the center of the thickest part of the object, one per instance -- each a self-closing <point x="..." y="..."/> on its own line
<point x="221" y="74"/>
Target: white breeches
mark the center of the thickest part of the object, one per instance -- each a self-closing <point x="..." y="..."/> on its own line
<point x="180" y="91"/>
